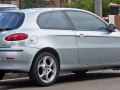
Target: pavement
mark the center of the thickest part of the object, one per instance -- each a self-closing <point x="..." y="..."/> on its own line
<point x="100" y="80"/>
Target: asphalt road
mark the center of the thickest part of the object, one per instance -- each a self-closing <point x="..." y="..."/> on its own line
<point x="102" y="80"/>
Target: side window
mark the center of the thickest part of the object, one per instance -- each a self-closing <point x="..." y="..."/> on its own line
<point x="85" y="22"/>
<point x="53" y="20"/>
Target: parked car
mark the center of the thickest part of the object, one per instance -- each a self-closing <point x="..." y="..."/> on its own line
<point x="45" y="41"/>
<point x="4" y="7"/>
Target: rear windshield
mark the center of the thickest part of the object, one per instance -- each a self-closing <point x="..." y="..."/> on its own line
<point x="11" y="20"/>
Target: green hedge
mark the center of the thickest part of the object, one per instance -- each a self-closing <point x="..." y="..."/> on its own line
<point x="106" y="4"/>
<point x="90" y="5"/>
<point x="82" y="4"/>
<point x="29" y="4"/>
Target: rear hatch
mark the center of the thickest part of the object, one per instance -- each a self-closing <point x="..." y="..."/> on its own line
<point x="9" y="24"/>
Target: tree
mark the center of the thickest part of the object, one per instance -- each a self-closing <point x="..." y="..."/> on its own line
<point x="29" y="4"/>
<point x="90" y="5"/>
<point x="82" y="4"/>
<point x="106" y="4"/>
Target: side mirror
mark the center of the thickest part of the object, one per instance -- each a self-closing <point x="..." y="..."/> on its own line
<point x="111" y="28"/>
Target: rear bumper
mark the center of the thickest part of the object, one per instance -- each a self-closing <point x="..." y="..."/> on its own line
<point x="17" y="58"/>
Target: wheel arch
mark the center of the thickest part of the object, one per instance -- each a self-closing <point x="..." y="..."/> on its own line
<point x="50" y="50"/>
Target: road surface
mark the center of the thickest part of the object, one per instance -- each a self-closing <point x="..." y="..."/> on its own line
<point x="102" y="80"/>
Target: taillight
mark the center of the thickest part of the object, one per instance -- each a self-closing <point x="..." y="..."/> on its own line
<point x="16" y="37"/>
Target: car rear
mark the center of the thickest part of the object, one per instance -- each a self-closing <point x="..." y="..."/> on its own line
<point x="15" y="55"/>
<point x="9" y="23"/>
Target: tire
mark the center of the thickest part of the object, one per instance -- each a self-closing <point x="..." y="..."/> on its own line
<point x="2" y="74"/>
<point x="44" y="70"/>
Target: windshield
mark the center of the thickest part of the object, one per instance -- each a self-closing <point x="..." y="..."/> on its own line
<point x="11" y="20"/>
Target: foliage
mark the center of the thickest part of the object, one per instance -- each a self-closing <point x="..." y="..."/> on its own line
<point x="29" y="4"/>
<point x="82" y="4"/>
<point x="90" y="5"/>
<point x="116" y="1"/>
<point x="105" y="7"/>
<point x="106" y="4"/>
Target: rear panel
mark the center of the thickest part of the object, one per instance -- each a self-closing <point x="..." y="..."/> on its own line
<point x="9" y="23"/>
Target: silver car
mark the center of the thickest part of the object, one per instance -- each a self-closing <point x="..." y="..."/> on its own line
<point x="7" y="7"/>
<point x="45" y="41"/>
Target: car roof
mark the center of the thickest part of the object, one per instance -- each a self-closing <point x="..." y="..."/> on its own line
<point x="47" y="9"/>
<point x="40" y="10"/>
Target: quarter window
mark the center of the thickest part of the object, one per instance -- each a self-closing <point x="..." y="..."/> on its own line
<point x="53" y="20"/>
<point x="85" y="21"/>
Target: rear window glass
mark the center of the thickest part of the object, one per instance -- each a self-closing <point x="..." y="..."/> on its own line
<point x="11" y="20"/>
<point x="53" y="20"/>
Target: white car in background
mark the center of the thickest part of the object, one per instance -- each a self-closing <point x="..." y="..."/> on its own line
<point x="4" y="7"/>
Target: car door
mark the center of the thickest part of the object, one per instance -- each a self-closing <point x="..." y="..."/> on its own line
<point x="58" y="34"/>
<point x="96" y="46"/>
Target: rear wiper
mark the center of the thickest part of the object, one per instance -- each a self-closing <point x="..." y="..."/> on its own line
<point x="5" y="29"/>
